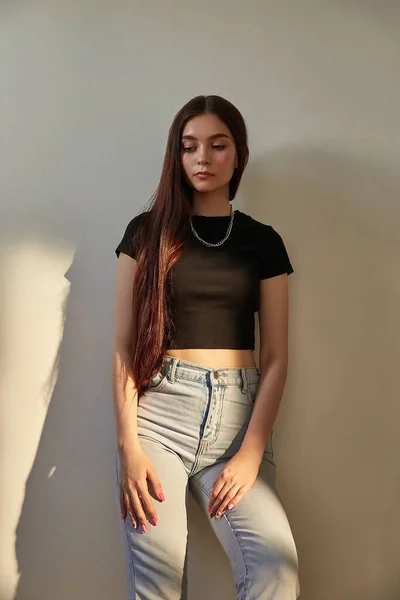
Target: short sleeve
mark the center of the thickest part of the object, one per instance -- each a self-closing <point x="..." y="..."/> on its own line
<point x="127" y="244"/>
<point x="274" y="259"/>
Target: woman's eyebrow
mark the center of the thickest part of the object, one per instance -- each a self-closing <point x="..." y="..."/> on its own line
<point x="212" y="137"/>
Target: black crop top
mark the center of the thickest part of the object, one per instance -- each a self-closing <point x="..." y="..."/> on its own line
<point x="217" y="289"/>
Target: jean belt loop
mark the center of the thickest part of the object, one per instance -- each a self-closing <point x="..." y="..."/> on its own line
<point x="172" y="369"/>
<point x="244" y="380"/>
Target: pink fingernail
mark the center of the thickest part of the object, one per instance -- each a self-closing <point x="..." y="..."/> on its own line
<point x="230" y="506"/>
<point x="143" y="528"/>
<point x="154" y="521"/>
<point x="162" y="497"/>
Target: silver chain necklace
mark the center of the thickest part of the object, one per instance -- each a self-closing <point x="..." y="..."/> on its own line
<point x="209" y="244"/>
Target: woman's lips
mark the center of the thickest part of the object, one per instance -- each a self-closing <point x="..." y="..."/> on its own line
<point x="204" y="175"/>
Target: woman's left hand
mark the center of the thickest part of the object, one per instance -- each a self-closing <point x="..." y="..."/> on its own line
<point x="234" y="481"/>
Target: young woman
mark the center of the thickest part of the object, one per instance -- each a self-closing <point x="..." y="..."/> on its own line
<point x="193" y="411"/>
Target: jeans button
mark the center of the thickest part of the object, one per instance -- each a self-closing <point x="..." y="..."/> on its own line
<point x="216" y="374"/>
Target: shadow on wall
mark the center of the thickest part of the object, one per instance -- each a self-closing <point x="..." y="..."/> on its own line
<point x="336" y="436"/>
<point x="67" y="536"/>
<point x="68" y="542"/>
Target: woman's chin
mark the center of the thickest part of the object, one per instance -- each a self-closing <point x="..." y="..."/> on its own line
<point x="205" y="186"/>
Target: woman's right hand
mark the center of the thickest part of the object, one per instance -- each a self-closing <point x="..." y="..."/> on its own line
<point x="137" y="479"/>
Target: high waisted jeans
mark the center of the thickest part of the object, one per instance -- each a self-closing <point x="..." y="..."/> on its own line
<point x="191" y="421"/>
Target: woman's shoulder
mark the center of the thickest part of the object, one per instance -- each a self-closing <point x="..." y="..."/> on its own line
<point x="274" y="258"/>
<point x="136" y="221"/>
<point x="255" y="227"/>
<point x="127" y="245"/>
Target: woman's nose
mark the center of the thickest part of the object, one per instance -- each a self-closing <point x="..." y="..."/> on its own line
<point x="203" y="158"/>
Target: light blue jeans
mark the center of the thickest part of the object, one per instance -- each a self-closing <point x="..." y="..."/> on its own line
<point x="191" y="421"/>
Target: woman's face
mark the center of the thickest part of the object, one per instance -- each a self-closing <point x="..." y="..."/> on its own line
<point x="208" y="153"/>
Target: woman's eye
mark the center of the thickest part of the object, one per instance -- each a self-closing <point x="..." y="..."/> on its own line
<point x="191" y="149"/>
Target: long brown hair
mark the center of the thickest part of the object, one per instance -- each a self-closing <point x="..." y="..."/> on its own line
<point x="161" y="238"/>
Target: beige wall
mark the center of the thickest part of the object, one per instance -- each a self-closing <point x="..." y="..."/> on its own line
<point x="88" y="92"/>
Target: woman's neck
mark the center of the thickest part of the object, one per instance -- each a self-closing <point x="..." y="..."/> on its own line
<point x="211" y="206"/>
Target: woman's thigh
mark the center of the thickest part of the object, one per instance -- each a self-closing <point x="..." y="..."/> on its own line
<point x="256" y="536"/>
<point x="156" y="560"/>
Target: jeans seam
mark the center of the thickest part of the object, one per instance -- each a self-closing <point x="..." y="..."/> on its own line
<point x="133" y="573"/>
<point x="131" y="560"/>
<point x="246" y="577"/>
<point x="199" y="454"/>
<point x="218" y="411"/>
<point x="249" y="396"/>
<point x="249" y="399"/>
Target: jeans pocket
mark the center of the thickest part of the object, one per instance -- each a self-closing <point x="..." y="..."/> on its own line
<point x="251" y="393"/>
<point x="158" y="381"/>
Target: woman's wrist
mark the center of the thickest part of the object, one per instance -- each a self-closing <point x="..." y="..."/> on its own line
<point x="129" y="444"/>
<point x="254" y="452"/>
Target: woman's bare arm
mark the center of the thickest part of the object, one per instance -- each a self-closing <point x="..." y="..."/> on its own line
<point x="123" y="386"/>
<point x="274" y="323"/>
<point x="240" y="473"/>
<point x="137" y="477"/>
